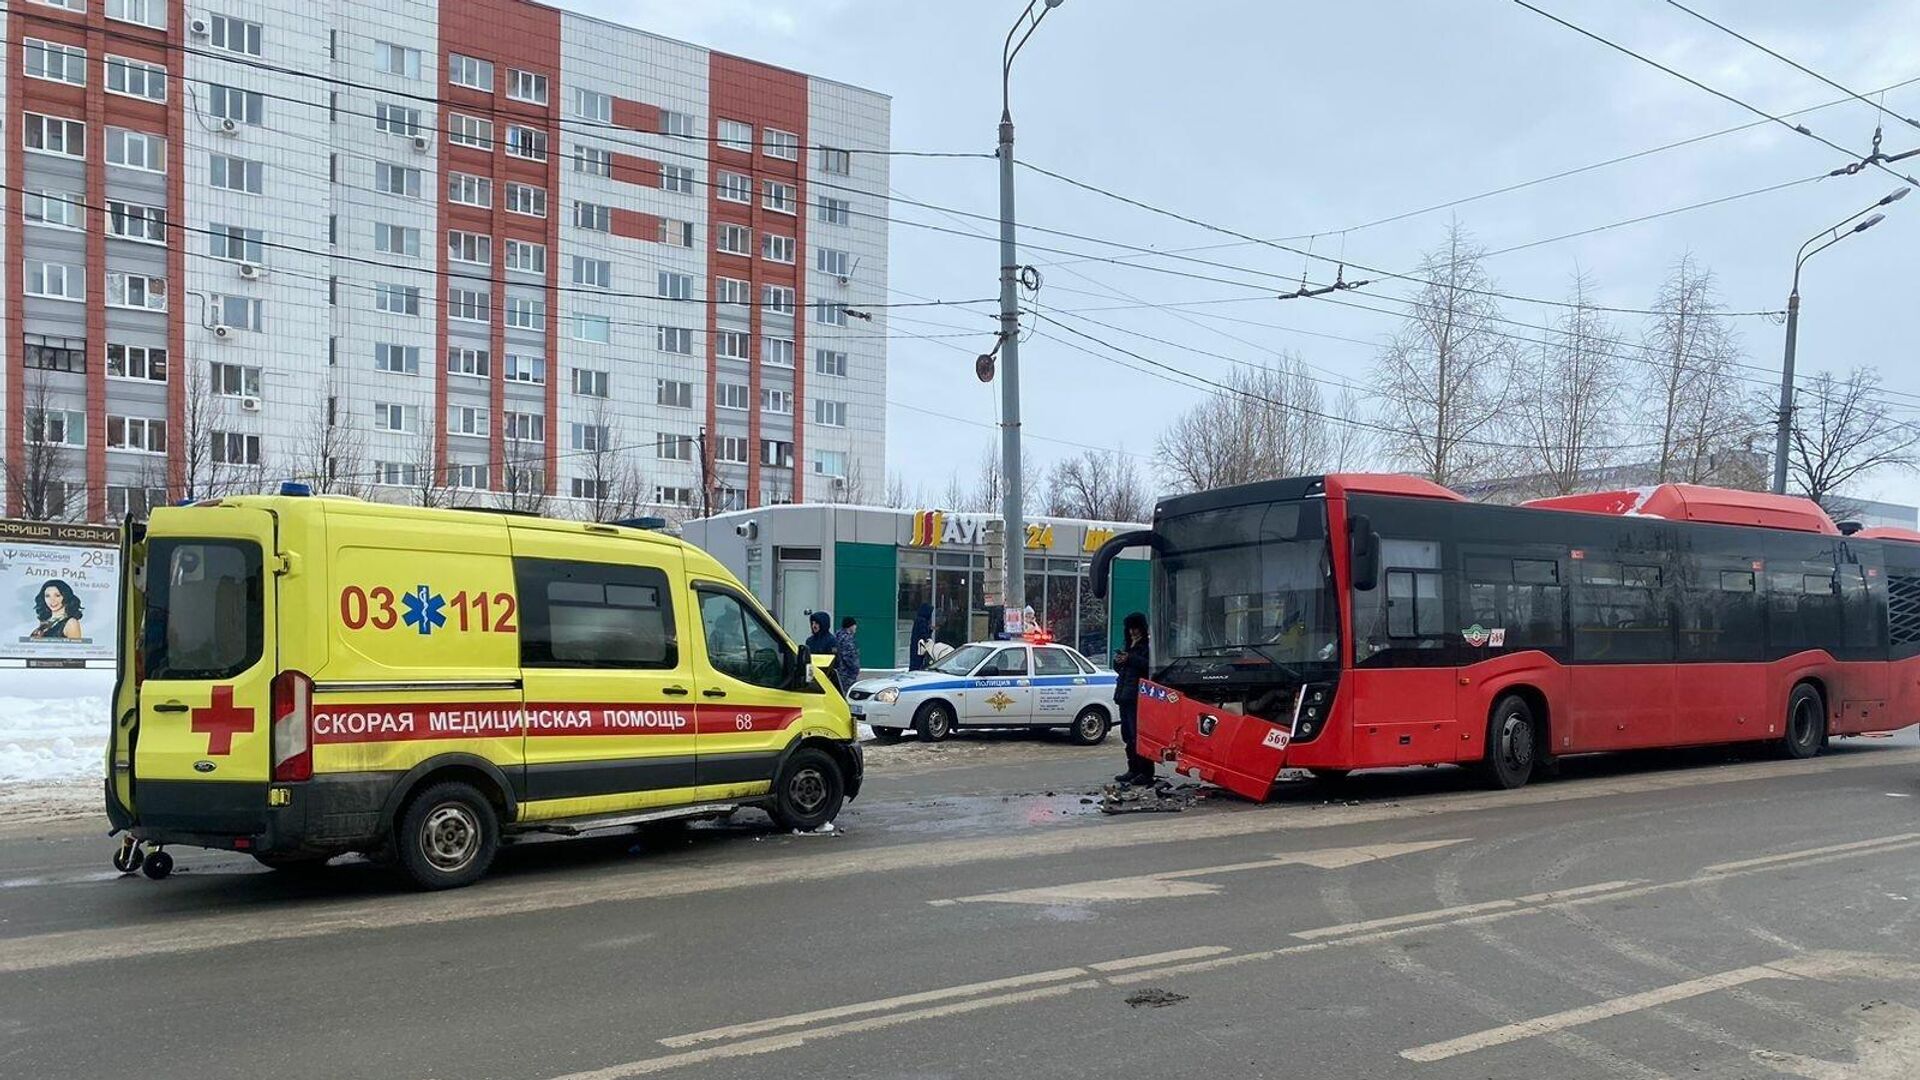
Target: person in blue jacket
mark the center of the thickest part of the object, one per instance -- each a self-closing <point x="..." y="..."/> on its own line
<point x="920" y="638"/>
<point x="820" y="642"/>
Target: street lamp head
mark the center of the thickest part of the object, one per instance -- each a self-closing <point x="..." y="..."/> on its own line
<point x="1055" y="3"/>
<point x="1895" y="197"/>
<point x="1870" y="223"/>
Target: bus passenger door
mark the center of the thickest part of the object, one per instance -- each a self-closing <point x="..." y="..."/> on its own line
<point x="1622" y="681"/>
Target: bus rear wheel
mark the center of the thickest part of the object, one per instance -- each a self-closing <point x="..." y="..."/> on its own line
<point x="1806" y="723"/>
<point x="1512" y="744"/>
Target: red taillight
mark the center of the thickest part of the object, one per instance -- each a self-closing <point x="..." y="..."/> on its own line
<point x="292" y="706"/>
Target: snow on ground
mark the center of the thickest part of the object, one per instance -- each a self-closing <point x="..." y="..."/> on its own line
<point x="53" y="725"/>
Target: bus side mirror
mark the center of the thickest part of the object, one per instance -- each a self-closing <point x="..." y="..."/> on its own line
<point x="1364" y="553"/>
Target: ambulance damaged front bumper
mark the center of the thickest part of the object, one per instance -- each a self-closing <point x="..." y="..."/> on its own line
<point x="1225" y="745"/>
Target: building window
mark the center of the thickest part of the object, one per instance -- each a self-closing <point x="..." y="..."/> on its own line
<point x="142" y="12"/>
<point x="593" y="273"/>
<point x="730" y="344"/>
<point x="778" y="197"/>
<point x="401" y="418"/>
<point x="53" y="209"/>
<point x="527" y="199"/>
<point x="526" y="313"/>
<point x="778" y="402"/>
<point x="469" y="131"/>
<point x="526" y="368"/>
<point x="735" y="292"/>
<point x="245" y="106"/>
<point x="829" y="413"/>
<point x="592" y="105"/>
<point x="469" y="190"/>
<point x="590" y="437"/>
<point x="589" y="383"/>
<point x="778" y="299"/>
<point x="396" y="119"/>
<point x="835" y="211"/>
<point x="735" y="135"/>
<point x="466" y="247"/>
<point x="829" y="362"/>
<point x="133" y="221"/>
<point x="242" y="313"/>
<point x="397" y="359"/>
<point x="467" y="477"/>
<point x="394" y="473"/>
<point x="830" y="463"/>
<point x="673" y="496"/>
<point x="674" y="447"/>
<point x="597" y="329"/>
<point x="733" y="240"/>
<point x="777" y="453"/>
<point x="592" y="161"/>
<point x="43" y="353"/>
<point x="234" y="35"/>
<point x="396" y="59"/>
<point x="731" y="449"/>
<point x="837" y="162"/>
<point x="142" y="363"/>
<point x="467" y="420"/>
<point x="677" y="233"/>
<point x="526" y="427"/>
<point x="677" y="178"/>
<point x="829" y="313"/>
<point x="526" y="142"/>
<point x="527" y="86"/>
<point x="234" y="174"/>
<point x="777" y="248"/>
<point x="135" y="502"/>
<point x="56" y="427"/>
<point x="233" y="448"/>
<point x="731" y="396"/>
<point x="584" y="488"/>
<point x="53" y="135"/>
<point x="673" y="394"/>
<point x="137" y="433"/>
<point x="397" y="299"/>
<point x="469" y="305"/>
<point x="396" y="239"/>
<point x="136" y="150"/>
<point x="776" y="352"/>
<point x="592" y="216"/>
<point x="398" y="179"/>
<point x="837" y="263"/>
<point x="55" y="62"/>
<point x="784" y="145"/>
<point x="675" y="339"/>
<point x="526" y="257"/>
<point x="136" y="291"/>
<point x="734" y="187"/>
<point x="673" y="286"/>
<point x="678" y="124"/>
<point x="235" y="380"/>
<point x="464" y="361"/>
<point x="468" y="72"/>
<point x="236" y="244"/>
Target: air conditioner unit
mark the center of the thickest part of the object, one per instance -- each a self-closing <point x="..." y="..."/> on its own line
<point x="249" y="271"/>
<point x="199" y="28"/>
<point x="422" y="144"/>
<point x="229" y="125"/>
<point x="845" y="280"/>
<point x="250" y="404"/>
<point x="220" y="330"/>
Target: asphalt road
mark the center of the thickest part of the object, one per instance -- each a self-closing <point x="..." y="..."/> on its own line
<point x="1697" y="915"/>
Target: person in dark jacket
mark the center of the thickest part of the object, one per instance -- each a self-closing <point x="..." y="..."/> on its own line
<point x="846" y="651"/>
<point x="920" y="638"/>
<point x="1132" y="665"/>
<point x="820" y="642"/>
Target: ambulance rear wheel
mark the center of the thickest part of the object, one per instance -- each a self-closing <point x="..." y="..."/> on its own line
<point x="158" y="865"/>
<point x="447" y="837"/>
<point x="934" y="721"/>
<point x="808" y="792"/>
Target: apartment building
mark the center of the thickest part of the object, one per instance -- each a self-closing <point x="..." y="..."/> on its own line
<point x="483" y="253"/>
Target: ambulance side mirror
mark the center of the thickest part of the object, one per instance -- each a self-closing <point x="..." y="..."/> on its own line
<point x="1363" y="553"/>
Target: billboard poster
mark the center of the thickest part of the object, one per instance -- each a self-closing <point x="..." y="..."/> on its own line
<point x="59" y="592"/>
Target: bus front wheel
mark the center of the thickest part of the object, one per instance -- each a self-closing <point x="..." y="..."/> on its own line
<point x="1512" y="744"/>
<point x="1806" y="723"/>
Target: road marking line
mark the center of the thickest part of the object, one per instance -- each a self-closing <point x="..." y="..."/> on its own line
<point x="1464" y="909"/>
<point x="1766" y="859"/>
<point x="1133" y="962"/>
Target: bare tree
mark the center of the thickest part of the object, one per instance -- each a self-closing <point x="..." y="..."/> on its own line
<point x="1840" y="432"/>
<point x="1701" y="419"/>
<point x="212" y="463"/>
<point x="1272" y="422"/>
<point x="39" y="480"/>
<point x="1569" y="396"/>
<point x="615" y="490"/>
<point x="523" y="475"/>
<point x="330" y="453"/>
<point x="429" y="479"/>
<point x="897" y="496"/>
<point x="1098" y="486"/>
<point x="1445" y="374"/>
<point x="984" y="495"/>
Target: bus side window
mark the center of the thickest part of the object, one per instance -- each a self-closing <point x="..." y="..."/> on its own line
<point x="1414" y="606"/>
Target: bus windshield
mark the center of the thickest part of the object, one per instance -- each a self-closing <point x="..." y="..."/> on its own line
<point x="1245" y="593"/>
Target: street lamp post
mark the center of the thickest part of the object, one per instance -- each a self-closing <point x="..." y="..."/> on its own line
<point x="1783" y="425"/>
<point x="1011" y="511"/>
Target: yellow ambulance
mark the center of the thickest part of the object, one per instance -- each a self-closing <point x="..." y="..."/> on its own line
<point x="304" y="676"/>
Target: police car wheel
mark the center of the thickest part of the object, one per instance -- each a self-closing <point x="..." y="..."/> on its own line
<point x="447" y="837"/>
<point x="809" y="791"/>
<point x="1090" y="727"/>
<point x="934" y="721"/>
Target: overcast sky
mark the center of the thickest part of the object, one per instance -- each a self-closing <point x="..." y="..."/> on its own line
<point x="1283" y="119"/>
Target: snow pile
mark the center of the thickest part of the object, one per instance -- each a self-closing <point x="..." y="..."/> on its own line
<point x="52" y="738"/>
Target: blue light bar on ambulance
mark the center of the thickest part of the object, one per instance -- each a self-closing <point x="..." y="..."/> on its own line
<point x="291" y="487"/>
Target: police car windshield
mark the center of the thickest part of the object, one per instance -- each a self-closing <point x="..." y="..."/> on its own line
<point x="963" y="660"/>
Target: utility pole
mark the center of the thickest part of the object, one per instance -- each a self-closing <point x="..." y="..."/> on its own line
<point x="1011" y="510"/>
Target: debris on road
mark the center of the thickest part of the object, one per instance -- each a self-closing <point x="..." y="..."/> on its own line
<point x="1155" y="998"/>
<point x="1163" y="797"/>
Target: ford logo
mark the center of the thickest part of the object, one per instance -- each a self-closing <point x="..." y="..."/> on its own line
<point x="204" y="766"/>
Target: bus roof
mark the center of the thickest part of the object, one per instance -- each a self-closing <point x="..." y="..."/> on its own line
<point x="1889" y="532"/>
<point x="1694" y="502"/>
<point x="1302" y="487"/>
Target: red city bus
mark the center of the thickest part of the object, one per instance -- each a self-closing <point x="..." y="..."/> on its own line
<point x="1357" y="621"/>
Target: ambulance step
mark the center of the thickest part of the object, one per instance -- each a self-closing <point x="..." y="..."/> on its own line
<point x="581" y="825"/>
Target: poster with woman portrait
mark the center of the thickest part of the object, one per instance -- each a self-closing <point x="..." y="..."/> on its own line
<point x="58" y="601"/>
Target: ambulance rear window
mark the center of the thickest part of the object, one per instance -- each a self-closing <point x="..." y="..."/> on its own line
<point x="203" y="617"/>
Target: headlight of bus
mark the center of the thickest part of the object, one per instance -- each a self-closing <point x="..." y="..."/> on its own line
<point x="887" y="696"/>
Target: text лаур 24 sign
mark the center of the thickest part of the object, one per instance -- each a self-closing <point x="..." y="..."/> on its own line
<point x="59" y="591"/>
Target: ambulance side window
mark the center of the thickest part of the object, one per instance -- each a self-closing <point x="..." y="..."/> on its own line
<point x="595" y="615"/>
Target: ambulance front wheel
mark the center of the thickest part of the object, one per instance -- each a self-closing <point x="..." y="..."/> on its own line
<point x="809" y="791"/>
<point x="447" y="837"/>
<point x="157" y="865"/>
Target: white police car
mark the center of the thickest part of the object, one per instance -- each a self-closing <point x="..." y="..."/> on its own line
<point x="991" y="684"/>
